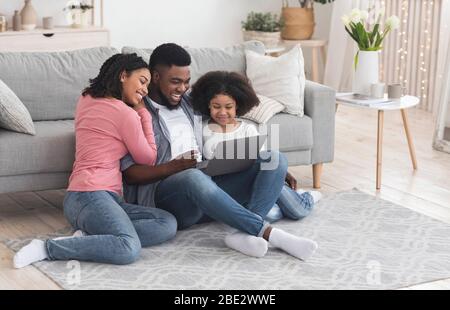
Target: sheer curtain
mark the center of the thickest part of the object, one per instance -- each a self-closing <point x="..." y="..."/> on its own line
<point x="409" y="55"/>
<point x="442" y="87"/>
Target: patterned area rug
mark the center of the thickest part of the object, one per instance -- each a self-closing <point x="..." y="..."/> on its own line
<point x="364" y="243"/>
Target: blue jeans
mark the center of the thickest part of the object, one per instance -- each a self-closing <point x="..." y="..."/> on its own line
<point x="240" y="200"/>
<point x="116" y="230"/>
<point x="292" y="205"/>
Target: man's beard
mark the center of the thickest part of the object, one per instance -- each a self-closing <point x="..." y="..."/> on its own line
<point x="165" y="102"/>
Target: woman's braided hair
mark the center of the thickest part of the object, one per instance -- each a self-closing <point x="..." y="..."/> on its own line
<point x="107" y="83"/>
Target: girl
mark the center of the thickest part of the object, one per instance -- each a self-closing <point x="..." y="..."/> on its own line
<point x="224" y="96"/>
<point x="110" y="121"/>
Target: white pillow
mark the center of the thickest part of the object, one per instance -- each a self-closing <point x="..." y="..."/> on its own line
<point x="13" y="114"/>
<point x="281" y="78"/>
<point x="264" y="111"/>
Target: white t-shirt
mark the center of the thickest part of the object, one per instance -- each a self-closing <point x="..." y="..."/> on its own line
<point x="182" y="138"/>
<point x="212" y="138"/>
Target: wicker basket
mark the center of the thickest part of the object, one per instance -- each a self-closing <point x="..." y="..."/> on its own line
<point x="298" y="23"/>
<point x="270" y="39"/>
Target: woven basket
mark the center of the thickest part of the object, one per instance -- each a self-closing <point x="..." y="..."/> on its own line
<point x="298" y="23"/>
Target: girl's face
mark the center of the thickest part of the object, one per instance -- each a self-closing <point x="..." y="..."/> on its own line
<point x="222" y="109"/>
<point x="134" y="86"/>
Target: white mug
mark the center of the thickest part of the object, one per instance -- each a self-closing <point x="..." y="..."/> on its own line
<point x="377" y="90"/>
<point x="395" y="91"/>
<point x="47" y="22"/>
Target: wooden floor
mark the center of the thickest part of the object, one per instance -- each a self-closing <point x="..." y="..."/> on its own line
<point x="426" y="190"/>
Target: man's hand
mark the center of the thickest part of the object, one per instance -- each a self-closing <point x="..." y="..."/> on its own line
<point x="180" y="164"/>
<point x="291" y="181"/>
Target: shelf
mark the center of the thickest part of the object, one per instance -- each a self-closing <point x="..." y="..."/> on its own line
<point x="57" y="29"/>
<point x="57" y="39"/>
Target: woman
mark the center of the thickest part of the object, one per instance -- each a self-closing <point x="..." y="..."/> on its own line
<point x="110" y="121"/>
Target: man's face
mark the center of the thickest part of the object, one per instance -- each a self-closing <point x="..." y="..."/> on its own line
<point x="171" y="83"/>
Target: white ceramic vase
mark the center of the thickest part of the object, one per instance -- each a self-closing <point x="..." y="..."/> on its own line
<point x="366" y="72"/>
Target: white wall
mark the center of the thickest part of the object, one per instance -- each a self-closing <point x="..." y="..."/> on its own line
<point x="194" y="23"/>
<point x="322" y="18"/>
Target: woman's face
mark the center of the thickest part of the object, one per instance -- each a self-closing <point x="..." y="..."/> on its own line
<point x="135" y="85"/>
<point x="222" y="109"/>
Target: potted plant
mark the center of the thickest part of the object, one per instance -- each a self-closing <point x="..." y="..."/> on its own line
<point x="78" y="16"/>
<point x="299" y="21"/>
<point x="370" y="41"/>
<point x="264" y="27"/>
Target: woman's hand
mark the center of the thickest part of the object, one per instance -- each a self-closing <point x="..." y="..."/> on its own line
<point x="140" y="105"/>
<point x="291" y="181"/>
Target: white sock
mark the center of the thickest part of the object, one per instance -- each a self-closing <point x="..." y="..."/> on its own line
<point x="33" y="252"/>
<point x="299" y="247"/>
<point x="315" y="194"/>
<point x="77" y="233"/>
<point x="247" y="244"/>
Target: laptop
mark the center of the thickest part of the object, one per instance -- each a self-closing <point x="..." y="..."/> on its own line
<point x="232" y="156"/>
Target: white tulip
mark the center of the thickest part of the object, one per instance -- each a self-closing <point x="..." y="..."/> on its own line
<point x="364" y="15"/>
<point x="346" y="20"/>
<point x="393" y="22"/>
<point x="355" y="16"/>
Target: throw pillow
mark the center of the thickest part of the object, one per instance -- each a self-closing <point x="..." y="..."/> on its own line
<point x="264" y="111"/>
<point x="281" y="78"/>
<point x="13" y="114"/>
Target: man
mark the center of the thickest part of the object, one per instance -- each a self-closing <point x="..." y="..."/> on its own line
<point x="240" y="200"/>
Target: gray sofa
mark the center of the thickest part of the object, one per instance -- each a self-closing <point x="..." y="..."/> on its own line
<point x="49" y="85"/>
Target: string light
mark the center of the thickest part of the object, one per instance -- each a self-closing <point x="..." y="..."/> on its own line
<point x="423" y="54"/>
<point x="419" y="57"/>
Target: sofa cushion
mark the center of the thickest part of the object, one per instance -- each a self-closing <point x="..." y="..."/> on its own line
<point x="52" y="149"/>
<point x="13" y="114"/>
<point x="264" y="111"/>
<point x="49" y="83"/>
<point x="211" y="59"/>
<point x="295" y="132"/>
<point x="281" y="78"/>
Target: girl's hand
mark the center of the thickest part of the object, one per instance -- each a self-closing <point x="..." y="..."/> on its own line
<point x="192" y="154"/>
<point x="291" y="181"/>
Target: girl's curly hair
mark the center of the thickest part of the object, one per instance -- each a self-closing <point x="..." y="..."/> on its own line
<point x="231" y="84"/>
<point x="107" y="83"/>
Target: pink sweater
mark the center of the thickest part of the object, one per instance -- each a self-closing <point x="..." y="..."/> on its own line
<point x="105" y="131"/>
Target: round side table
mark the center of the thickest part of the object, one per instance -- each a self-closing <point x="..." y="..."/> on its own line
<point x="401" y="104"/>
